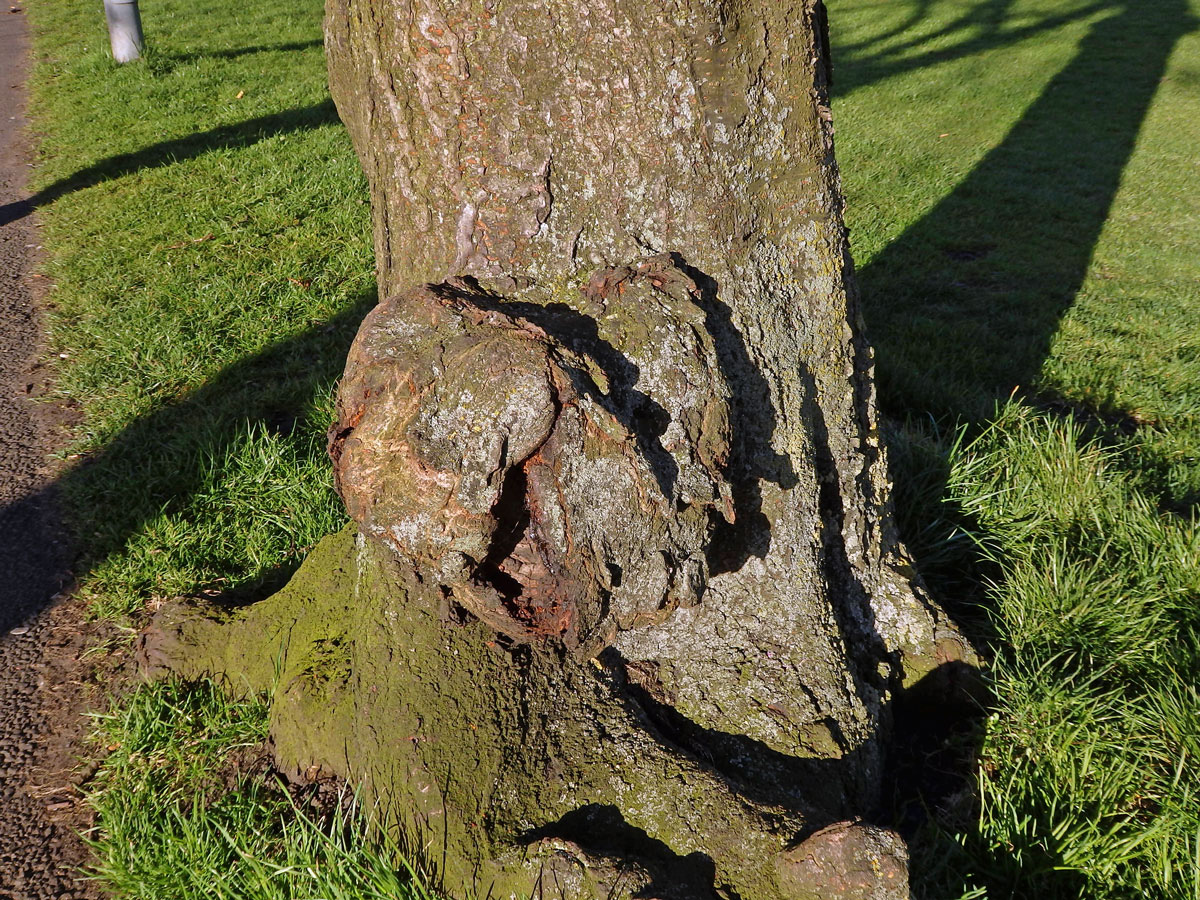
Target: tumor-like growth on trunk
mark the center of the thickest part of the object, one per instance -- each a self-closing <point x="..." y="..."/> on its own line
<point x="559" y="474"/>
<point x="622" y="611"/>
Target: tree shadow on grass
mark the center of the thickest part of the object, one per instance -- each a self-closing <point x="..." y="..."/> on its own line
<point x="161" y="460"/>
<point x="165" y="153"/>
<point x="963" y="306"/>
<point x="237" y="52"/>
<point x="983" y="25"/>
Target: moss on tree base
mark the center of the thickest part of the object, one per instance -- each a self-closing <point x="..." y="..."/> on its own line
<point x="514" y="771"/>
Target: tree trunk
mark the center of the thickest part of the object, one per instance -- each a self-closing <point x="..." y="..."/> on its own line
<point x="623" y="609"/>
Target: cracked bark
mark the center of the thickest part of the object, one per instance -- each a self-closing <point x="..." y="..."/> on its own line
<point x="623" y="609"/>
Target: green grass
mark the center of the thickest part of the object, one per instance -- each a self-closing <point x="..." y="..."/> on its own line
<point x="177" y="818"/>
<point x="211" y="254"/>
<point x="1020" y="180"/>
<point x="1089" y="779"/>
<point x="211" y="258"/>
<point x="1021" y="189"/>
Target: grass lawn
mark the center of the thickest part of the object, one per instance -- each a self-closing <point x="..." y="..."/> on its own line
<point x="208" y="235"/>
<point x="1023" y="190"/>
<point x="1021" y="180"/>
<point x="211" y="253"/>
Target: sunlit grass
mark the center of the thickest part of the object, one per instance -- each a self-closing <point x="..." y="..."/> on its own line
<point x="210" y="250"/>
<point x="178" y="817"/>
<point x="1088" y="775"/>
<point x="1021" y="188"/>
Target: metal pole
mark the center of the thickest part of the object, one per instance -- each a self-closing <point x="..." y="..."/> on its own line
<point x="124" y="29"/>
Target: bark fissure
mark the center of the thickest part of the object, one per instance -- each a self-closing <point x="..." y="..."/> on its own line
<point x="750" y="768"/>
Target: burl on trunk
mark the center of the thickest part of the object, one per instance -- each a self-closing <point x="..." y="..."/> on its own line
<point x="622" y="610"/>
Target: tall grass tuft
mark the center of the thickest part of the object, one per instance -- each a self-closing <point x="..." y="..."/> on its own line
<point x="1088" y="776"/>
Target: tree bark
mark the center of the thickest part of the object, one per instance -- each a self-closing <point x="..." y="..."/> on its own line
<point x="623" y="608"/>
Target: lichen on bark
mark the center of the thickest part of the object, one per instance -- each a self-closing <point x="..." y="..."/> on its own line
<point x="623" y="609"/>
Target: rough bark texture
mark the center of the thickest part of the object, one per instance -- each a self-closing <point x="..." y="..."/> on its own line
<point x="498" y="453"/>
<point x="624" y="610"/>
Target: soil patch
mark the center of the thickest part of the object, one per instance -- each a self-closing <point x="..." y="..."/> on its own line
<point x="46" y="683"/>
